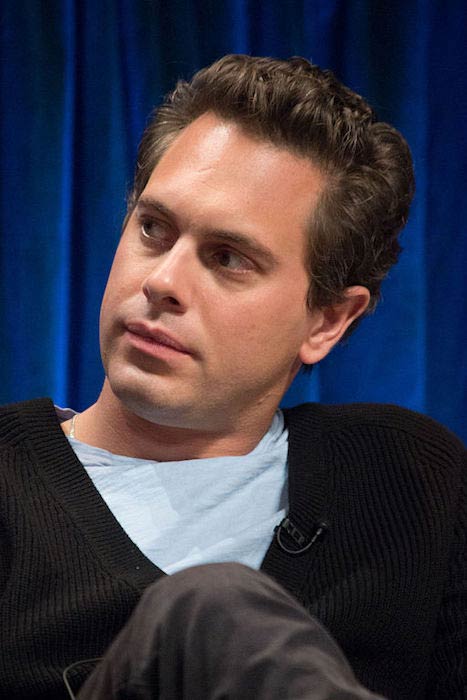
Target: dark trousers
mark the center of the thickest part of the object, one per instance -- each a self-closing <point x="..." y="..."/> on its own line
<point x="218" y="632"/>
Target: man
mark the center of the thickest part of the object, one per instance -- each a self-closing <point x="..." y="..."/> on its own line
<point x="265" y="212"/>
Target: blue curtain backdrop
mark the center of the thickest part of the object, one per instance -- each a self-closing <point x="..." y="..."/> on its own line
<point x="78" y="80"/>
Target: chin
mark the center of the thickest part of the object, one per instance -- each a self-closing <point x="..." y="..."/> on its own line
<point x="158" y="403"/>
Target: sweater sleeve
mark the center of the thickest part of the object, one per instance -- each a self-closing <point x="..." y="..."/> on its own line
<point x="449" y="661"/>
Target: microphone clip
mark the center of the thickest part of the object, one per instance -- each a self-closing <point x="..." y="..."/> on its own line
<point x="304" y="543"/>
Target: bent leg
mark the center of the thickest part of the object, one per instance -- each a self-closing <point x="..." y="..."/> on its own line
<point x="222" y="631"/>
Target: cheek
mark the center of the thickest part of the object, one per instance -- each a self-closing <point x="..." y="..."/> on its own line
<point x="108" y="301"/>
<point x="115" y="294"/>
<point x="124" y="280"/>
<point x="270" y="326"/>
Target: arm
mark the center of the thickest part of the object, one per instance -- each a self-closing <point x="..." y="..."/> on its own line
<point x="448" y="679"/>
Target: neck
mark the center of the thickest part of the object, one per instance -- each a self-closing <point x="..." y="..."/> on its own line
<point x="109" y="425"/>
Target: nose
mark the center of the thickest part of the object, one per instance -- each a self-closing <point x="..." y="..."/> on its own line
<point x="167" y="284"/>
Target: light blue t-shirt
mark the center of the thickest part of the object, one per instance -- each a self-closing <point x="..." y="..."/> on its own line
<point x="195" y="511"/>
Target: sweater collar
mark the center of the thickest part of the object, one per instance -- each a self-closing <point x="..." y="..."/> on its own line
<point x="300" y="537"/>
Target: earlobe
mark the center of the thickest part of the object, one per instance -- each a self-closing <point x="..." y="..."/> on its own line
<point x="328" y="324"/>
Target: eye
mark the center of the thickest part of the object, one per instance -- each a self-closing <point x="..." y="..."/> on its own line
<point x="228" y="259"/>
<point x="150" y="228"/>
<point x="155" y="232"/>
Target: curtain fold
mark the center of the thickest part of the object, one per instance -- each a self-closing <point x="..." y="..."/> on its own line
<point x="78" y="81"/>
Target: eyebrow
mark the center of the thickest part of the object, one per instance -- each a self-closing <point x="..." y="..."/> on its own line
<point x="222" y="235"/>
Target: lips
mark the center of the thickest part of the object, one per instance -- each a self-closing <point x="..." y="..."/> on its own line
<point x="157" y="336"/>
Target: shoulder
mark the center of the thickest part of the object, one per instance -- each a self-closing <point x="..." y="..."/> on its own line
<point x="20" y="420"/>
<point x="382" y="461"/>
<point x="372" y="428"/>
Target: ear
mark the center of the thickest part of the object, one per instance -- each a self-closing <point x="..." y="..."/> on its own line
<point x="328" y="325"/>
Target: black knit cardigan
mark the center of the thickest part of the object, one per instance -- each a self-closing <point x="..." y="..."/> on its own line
<point x="375" y="546"/>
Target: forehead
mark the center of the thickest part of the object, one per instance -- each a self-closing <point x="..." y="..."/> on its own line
<point x="215" y="169"/>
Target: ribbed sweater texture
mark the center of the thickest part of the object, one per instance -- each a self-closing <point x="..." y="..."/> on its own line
<point x="388" y="578"/>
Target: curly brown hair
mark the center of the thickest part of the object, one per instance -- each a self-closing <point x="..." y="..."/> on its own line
<point x="353" y="229"/>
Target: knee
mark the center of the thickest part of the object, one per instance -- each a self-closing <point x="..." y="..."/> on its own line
<point x="209" y="582"/>
<point x="213" y="578"/>
<point x="209" y="587"/>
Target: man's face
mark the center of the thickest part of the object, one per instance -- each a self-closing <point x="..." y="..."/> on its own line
<point x="204" y="319"/>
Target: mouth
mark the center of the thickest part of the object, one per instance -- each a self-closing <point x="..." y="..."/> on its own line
<point x="154" y="339"/>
